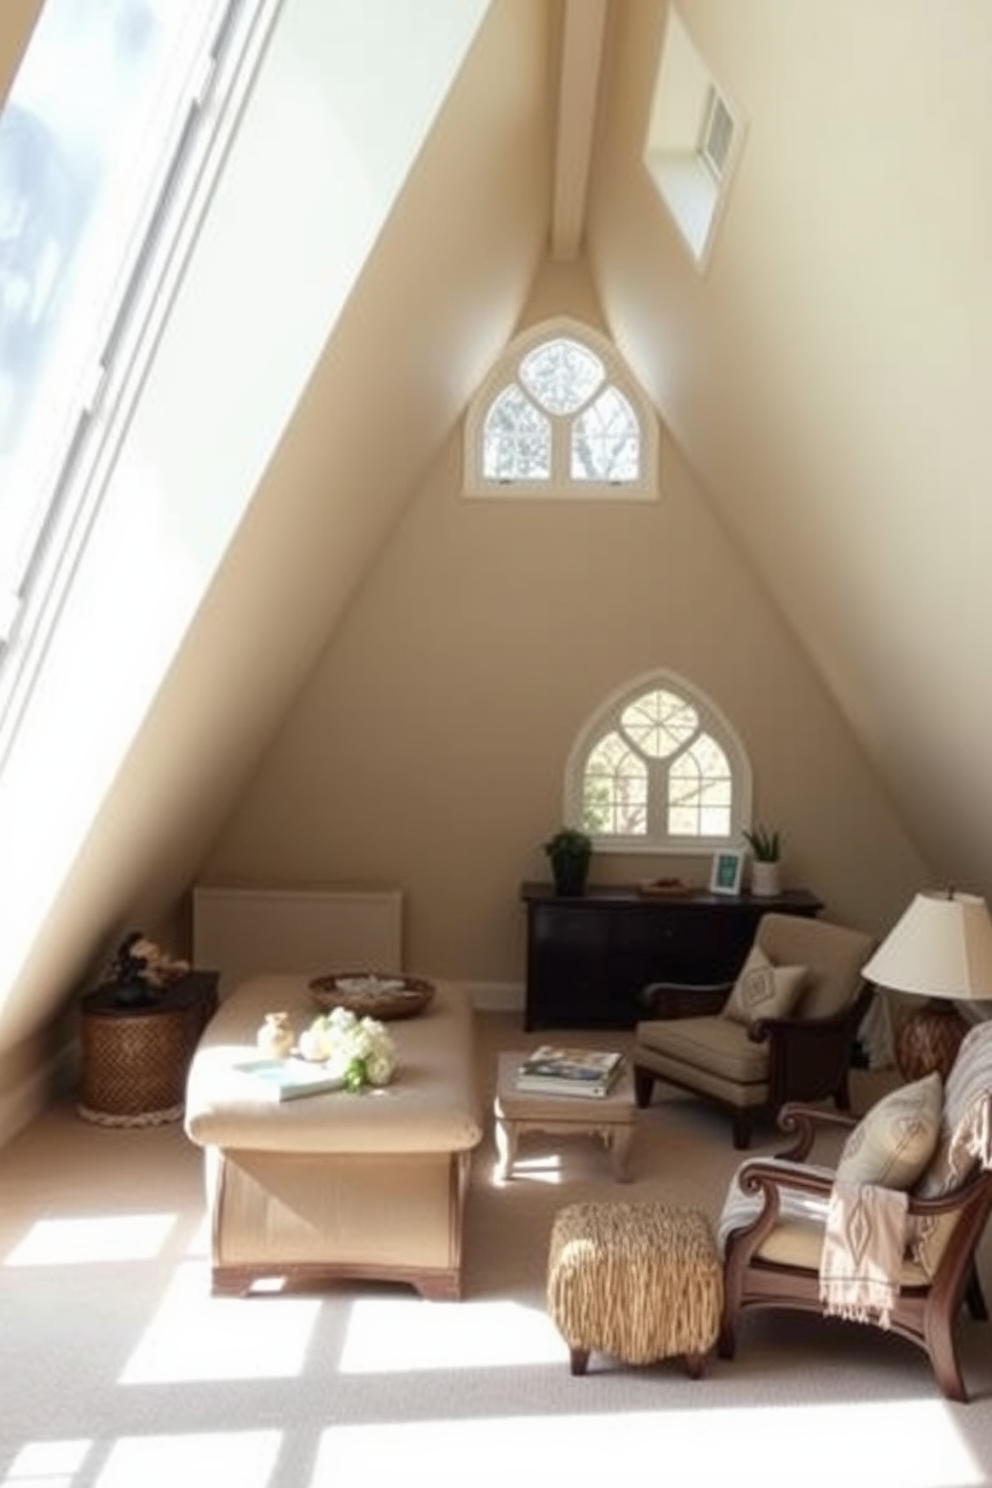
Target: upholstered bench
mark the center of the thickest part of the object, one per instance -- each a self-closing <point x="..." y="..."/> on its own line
<point x="368" y="1185"/>
<point x="639" y="1281"/>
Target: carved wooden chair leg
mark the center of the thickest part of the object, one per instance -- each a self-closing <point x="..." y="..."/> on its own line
<point x="943" y="1356"/>
<point x="726" y="1345"/>
<point x="742" y="1126"/>
<point x="974" y="1297"/>
<point x="643" y="1086"/>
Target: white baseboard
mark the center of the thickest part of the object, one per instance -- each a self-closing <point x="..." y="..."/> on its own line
<point x="27" y="1098"/>
<point x="496" y="997"/>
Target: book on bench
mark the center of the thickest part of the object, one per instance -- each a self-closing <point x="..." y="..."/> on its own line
<point x="551" y="1070"/>
<point x="288" y="1079"/>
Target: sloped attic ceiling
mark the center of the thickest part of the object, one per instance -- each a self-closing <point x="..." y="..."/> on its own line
<point x="827" y="379"/>
<point x="830" y="375"/>
<point x="333" y="484"/>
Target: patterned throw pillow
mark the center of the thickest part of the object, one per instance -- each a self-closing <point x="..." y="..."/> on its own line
<point x="763" y="990"/>
<point x="894" y="1142"/>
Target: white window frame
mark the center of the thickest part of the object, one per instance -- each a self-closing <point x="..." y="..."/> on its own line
<point x="691" y="177"/>
<point x="152" y="267"/>
<point x="712" y="722"/>
<point x="561" y="484"/>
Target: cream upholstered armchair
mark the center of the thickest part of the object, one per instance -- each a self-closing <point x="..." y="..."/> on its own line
<point x="783" y="1031"/>
<point x="888" y="1234"/>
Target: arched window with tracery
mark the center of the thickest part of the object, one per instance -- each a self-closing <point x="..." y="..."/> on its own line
<point x="658" y="768"/>
<point x="560" y="415"/>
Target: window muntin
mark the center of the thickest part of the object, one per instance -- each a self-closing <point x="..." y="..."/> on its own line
<point x="658" y="768"/>
<point x="560" y="416"/>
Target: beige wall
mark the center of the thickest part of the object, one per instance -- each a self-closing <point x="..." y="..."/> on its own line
<point x="429" y="746"/>
<point x="830" y="372"/>
<point x="17" y="17"/>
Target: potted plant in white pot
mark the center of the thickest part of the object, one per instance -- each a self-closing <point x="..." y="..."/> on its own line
<point x="569" y="851"/>
<point x="766" y="867"/>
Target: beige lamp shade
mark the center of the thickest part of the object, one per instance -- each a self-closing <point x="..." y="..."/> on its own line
<point x="942" y="947"/>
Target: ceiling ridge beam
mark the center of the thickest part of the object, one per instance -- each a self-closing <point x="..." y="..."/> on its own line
<point x="583" y="40"/>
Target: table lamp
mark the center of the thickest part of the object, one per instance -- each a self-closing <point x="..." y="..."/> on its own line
<point x="940" y="949"/>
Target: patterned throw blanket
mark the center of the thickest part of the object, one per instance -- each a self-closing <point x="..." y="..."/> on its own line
<point x="863" y="1247"/>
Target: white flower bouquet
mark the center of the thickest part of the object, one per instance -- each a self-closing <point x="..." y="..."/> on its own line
<point x="362" y="1050"/>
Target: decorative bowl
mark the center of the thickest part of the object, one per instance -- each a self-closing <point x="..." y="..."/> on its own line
<point x="373" y="994"/>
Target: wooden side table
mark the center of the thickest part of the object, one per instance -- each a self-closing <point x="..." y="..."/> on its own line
<point x="135" y="1057"/>
<point x="612" y="1117"/>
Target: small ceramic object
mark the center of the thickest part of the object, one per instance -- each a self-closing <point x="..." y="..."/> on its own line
<point x="275" y="1037"/>
<point x="314" y="1042"/>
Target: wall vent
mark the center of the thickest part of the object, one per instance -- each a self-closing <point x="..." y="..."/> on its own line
<point x="717" y="134"/>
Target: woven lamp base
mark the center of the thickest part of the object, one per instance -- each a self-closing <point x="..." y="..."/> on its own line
<point x="929" y="1040"/>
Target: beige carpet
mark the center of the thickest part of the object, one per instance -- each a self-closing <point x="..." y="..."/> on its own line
<point x="119" y="1370"/>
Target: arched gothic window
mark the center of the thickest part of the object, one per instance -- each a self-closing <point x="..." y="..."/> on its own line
<point x="560" y="416"/>
<point x="659" y="769"/>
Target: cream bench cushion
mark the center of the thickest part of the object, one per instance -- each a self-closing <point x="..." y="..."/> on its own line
<point x="431" y="1106"/>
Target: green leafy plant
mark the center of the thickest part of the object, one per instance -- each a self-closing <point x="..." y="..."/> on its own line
<point x="764" y="842"/>
<point x="568" y="843"/>
<point x="569" y="851"/>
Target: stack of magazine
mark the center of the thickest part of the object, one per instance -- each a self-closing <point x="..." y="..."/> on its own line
<point x="550" y="1070"/>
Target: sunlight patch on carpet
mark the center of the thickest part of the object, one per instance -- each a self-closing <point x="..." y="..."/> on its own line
<point x="537" y="1167"/>
<point x="246" y="1458"/>
<point x="193" y="1336"/>
<point x="471" y="1335"/>
<point x="112" y="1237"/>
<point x="47" y="1464"/>
<point x="889" y="1445"/>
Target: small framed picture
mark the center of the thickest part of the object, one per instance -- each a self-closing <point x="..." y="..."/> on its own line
<point x="726" y="875"/>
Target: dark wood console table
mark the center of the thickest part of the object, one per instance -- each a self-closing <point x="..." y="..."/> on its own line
<point x="589" y="957"/>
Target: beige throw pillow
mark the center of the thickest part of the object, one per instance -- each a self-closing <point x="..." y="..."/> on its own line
<point x="894" y="1142"/>
<point x="763" y="990"/>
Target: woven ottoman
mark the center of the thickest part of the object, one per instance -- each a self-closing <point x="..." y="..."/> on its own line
<point x="638" y="1281"/>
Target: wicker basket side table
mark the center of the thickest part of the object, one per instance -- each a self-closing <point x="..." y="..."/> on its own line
<point x="135" y="1058"/>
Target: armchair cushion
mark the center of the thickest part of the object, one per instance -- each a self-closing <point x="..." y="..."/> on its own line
<point x="835" y="955"/>
<point x="763" y="990"/>
<point x="797" y="1238"/>
<point x="711" y="1044"/>
<point x="892" y="1145"/>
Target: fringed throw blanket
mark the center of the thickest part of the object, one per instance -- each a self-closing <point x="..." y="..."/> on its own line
<point x="863" y="1246"/>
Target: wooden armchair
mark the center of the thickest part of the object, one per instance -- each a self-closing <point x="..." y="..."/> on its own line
<point x="784" y="1032"/>
<point x="773" y="1224"/>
